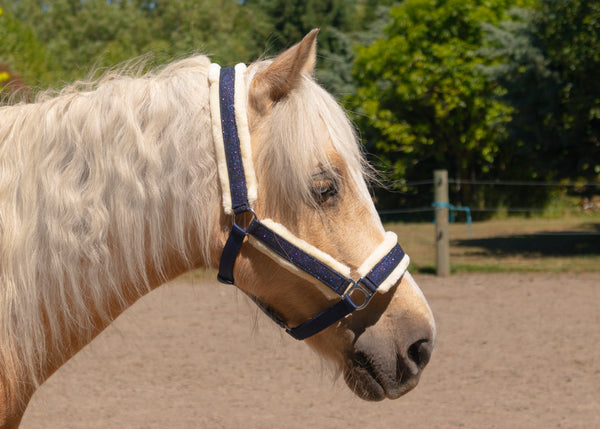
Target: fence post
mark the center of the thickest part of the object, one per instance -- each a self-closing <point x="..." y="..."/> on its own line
<point x="442" y="245"/>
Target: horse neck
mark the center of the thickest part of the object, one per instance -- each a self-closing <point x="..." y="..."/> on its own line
<point x="104" y="195"/>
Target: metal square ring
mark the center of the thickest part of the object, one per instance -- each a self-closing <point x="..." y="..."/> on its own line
<point x="366" y="294"/>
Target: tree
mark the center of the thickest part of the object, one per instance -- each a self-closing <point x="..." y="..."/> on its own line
<point x="83" y="35"/>
<point x="548" y="61"/>
<point x="224" y="29"/>
<point x="422" y="98"/>
<point x="341" y="24"/>
<point x="290" y="20"/>
<point x="21" y="48"/>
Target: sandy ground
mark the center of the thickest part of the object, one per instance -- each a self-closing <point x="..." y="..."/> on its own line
<point x="513" y="351"/>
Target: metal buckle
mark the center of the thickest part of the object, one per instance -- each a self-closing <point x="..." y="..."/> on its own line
<point x="365" y="291"/>
<point x="254" y="217"/>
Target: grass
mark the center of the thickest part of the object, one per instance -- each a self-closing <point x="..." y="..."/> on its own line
<point x="568" y="244"/>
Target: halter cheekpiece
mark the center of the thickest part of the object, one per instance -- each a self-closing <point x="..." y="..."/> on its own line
<point x="381" y="270"/>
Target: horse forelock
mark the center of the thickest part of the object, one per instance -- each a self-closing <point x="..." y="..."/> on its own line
<point x="302" y="135"/>
<point x="95" y="185"/>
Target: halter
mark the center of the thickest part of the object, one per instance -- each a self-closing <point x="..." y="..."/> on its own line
<point x="231" y="135"/>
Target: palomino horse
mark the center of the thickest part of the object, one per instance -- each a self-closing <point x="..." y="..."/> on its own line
<point x="112" y="188"/>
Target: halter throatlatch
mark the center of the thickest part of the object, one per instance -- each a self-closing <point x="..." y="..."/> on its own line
<point x="380" y="271"/>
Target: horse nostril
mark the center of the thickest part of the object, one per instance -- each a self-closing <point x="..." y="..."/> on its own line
<point x="420" y="352"/>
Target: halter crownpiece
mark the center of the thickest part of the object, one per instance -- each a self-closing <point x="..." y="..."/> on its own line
<point x="231" y="136"/>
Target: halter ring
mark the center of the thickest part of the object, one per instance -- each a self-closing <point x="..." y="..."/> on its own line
<point x="356" y="286"/>
<point x="254" y="217"/>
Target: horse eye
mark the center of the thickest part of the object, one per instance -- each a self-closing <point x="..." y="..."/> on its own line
<point x="323" y="190"/>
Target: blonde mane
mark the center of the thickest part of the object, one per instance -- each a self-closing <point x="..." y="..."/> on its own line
<point x="100" y="182"/>
<point x="95" y="186"/>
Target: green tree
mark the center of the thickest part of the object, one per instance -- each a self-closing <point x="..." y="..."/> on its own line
<point x="224" y="29"/>
<point x="548" y="61"/>
<point x="421" y="97"/>
<point x="341" y="24"/>
<point x="290" y="20"/>
<point x="23" y="51"/>
<point x="81" y="35"/>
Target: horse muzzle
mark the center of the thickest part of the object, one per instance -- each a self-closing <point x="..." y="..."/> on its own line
<point x="387" y="363"/>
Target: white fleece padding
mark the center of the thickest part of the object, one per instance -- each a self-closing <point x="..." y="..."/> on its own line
<point x="388" y="243"/>
<point x="327" y="292"/>
<point x="380" y="251"/>
<point x="395" y="275"/>
<point x="214" y="72"/>
<point x="301" y="244"/>
<point x="243" y="129"/>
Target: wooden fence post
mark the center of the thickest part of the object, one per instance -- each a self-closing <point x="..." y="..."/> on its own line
<point x="442" y="245"/>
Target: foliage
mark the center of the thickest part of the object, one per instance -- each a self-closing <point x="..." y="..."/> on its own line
<point x="421" y="95"/>
<point x="21" y="51"/>
<point x="224" y="29"/>
<point x="80" y="35"/>
<point x="549" y="62"/>
<point x="99" y="33"/>
<point x="290" y="20"/>
<point x="341" y="23"/>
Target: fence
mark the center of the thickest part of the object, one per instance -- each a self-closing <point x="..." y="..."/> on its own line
<point x="444" y="211"/>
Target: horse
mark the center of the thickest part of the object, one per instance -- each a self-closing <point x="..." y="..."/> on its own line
<point x="110" y="188"/>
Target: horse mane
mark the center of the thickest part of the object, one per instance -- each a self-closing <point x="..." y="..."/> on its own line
<point x="94" y="187"/>
<point x="100" y="180"/>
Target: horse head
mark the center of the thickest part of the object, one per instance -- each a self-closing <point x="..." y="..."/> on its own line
<point x="310" y="178"/>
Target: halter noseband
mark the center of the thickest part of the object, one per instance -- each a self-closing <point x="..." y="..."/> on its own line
<point x="231" y="136"/>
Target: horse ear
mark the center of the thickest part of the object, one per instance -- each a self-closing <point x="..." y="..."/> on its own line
<point x="284" y="73"/>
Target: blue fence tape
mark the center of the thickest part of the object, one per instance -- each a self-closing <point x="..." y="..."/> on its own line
<point x="451" y="209"/>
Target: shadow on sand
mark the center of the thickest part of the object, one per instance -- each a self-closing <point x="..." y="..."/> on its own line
<point x="543" y="243"/>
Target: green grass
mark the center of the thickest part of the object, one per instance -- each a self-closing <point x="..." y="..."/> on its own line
<point x="568" y="244"/>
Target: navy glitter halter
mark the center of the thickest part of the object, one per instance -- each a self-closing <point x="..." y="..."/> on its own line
<point x="239" y="191"/>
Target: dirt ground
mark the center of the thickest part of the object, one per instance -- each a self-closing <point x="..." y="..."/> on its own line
<point x="513" y="351"/>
